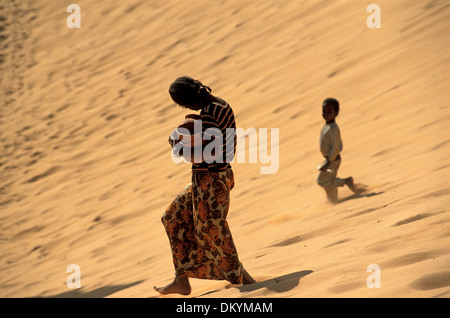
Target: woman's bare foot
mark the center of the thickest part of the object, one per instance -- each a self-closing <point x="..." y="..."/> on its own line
<point x="180" y="285"/>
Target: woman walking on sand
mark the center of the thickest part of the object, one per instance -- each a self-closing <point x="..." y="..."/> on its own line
<point x="195" y="222"/>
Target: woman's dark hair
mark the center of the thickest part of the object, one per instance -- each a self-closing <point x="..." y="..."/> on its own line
<point x="331" y="102"/>
<point x="187" y="91"/>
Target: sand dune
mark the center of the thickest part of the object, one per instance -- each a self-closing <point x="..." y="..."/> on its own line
<point x="86" y="173"/>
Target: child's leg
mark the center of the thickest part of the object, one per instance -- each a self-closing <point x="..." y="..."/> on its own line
<point x="334" y="180"/>
<point x="338" y="182"/>
<point x="332" y="195"/>
<point x="329" y="179"/>
<point x="330" y="182"/>
<point x="357" y="189"/>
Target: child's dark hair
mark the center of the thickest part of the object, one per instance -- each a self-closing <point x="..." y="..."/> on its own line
<point x="187" y="91"/>
<point x="331" y="102"/>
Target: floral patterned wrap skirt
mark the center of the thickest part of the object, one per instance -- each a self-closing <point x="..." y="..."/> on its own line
<point x="199" y="235"/>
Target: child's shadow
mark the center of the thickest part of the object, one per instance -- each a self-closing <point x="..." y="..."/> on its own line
<point x="361" y="195"/>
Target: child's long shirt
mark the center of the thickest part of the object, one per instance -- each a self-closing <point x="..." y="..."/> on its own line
<point x="330" y="141"/>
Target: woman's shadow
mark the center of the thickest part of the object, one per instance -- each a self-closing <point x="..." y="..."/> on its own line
<point x="278" y="284"/>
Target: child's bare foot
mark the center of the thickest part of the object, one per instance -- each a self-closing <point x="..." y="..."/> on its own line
<point x="247" y="279"/>
<point x="356" y="188"/>
<point x="180" y="285"/>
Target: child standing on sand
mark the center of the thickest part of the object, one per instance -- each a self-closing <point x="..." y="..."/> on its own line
<point x="331" y="147"/>
<point x="195" y="222"/>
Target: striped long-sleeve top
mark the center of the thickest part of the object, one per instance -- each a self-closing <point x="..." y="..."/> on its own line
<point x="218" y="120"/>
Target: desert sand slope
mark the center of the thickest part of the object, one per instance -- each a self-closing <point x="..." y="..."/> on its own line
<point x="86" y="172"/>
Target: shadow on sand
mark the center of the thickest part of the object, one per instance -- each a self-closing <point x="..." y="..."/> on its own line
<point x="357" y="196"/>
<point x="278" y="284"/>
<point x="100" y="292"/>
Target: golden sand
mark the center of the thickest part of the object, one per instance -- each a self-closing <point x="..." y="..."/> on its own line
<point x="85" y="167"/>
